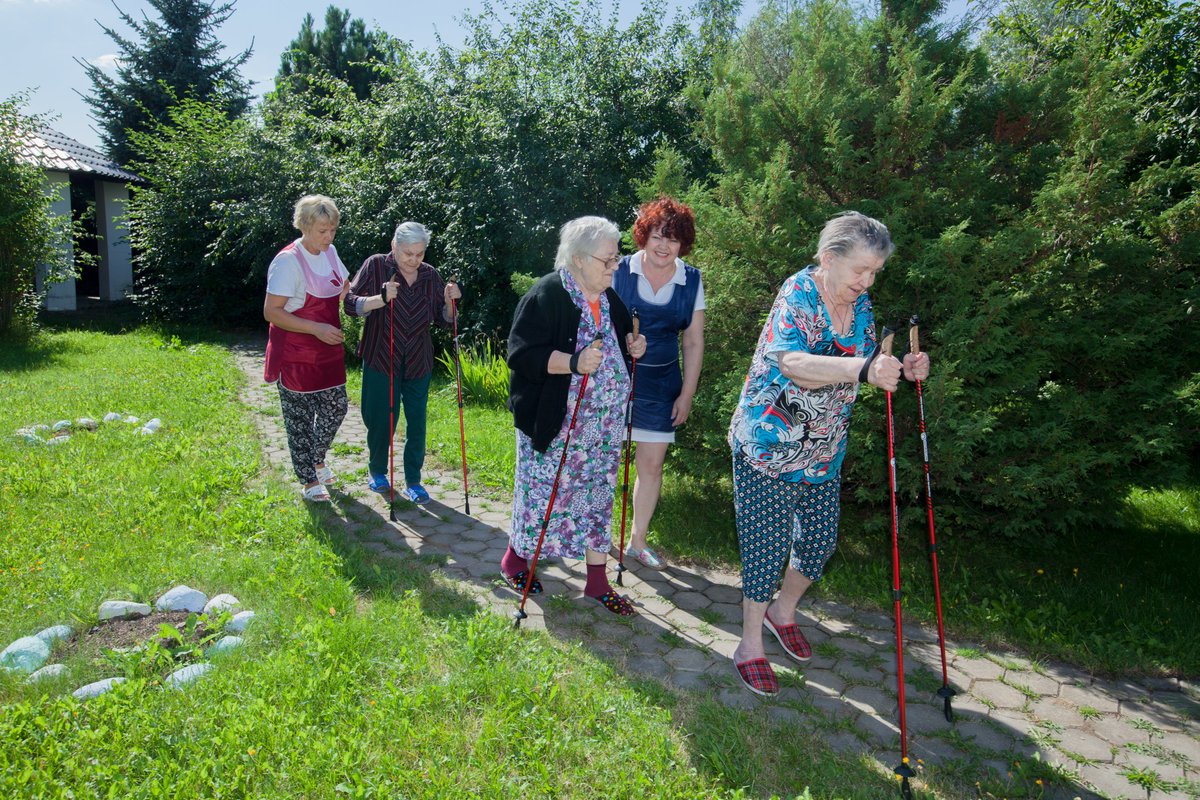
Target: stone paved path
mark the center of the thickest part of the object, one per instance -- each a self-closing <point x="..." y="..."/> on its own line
<point x="1008" y="709"/>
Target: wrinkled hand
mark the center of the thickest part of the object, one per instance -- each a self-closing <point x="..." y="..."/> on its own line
<point x="917" y="366"/>
<point x="329" y="334"/>
<point x="884" y="373"/>
<point x="681" y="410"/>
<point x="636" y="347"/>
<point x="589" y="359"/>
<point x="452" y="292"/>
<point x="389" y="290"/>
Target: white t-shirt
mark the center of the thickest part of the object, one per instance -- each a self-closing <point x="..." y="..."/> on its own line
<point x="663" y="295"/>
<point x="285" y="278"/>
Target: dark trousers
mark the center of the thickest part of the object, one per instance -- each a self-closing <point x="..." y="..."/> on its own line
<point x="411" y="396"/>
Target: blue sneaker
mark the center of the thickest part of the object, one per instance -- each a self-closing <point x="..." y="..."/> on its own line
<point x="417" y="494"/>
<point x="378" y="483"/>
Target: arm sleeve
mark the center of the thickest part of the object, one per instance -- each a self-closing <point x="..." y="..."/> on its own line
<point x="789" y="323"/>
<point x="699" y="305"/>
<point x="365" y="284"/>
<point x="530" y="340"/>
<point x="439" y="301"/>
<point x="284" y="278"/>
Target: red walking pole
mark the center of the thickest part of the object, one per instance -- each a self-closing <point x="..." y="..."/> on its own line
<point x="520" y="614"/>
<point x="945" y="692"/>
<point x="462" y="431"/>
<point x="391" y="408"/>
<point x="628" y="445"/>
<point x="904" y="770"/>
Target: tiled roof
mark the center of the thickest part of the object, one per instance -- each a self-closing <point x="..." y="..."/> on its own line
<point x="50" y="149"/>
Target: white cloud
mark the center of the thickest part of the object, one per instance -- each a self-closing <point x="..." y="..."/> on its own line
<point x="107" y="62"/>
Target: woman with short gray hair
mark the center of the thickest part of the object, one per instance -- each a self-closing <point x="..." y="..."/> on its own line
<point x="397" y="350"/>
<point x="571" y="324"/>
<point x="789" y="429"/>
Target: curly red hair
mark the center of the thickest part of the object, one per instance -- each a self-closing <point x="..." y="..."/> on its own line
<point x="675" y="218"/>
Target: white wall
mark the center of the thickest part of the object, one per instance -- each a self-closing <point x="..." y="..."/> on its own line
<point x="61" y="295"/>
<point x="116" y="259"/>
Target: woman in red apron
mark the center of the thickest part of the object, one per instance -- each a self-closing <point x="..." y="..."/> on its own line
<point x="306" y="283"/>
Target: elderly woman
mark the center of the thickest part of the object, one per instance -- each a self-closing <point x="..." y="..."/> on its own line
<point x="570" y="324"/>
<point x="789" y="431"/>
<point x="397" y="351"/>
<point x="305" y="283"/>
<point x="668" y="296"/>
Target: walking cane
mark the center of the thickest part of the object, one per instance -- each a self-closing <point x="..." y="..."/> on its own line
<point x="945" y="692"/>
<point x="904" y="771"/>
<point x="520" y="614"/>
<point x="462" y="431"/>
<point x="628" y="445"/>
<point x="391" y="404"/>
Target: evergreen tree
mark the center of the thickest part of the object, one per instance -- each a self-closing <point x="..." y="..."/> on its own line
<point x="175" y="56"/>
<point x="344" y="49"/>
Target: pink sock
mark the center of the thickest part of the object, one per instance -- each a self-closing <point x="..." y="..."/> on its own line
<point x="512" y="563"/>
<point x="597" y="581"/>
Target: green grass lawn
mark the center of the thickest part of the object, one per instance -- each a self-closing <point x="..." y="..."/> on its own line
<point x="360" y="677"/>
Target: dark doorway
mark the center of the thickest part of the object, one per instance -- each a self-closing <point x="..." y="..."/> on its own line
<point x="87" y="250"/>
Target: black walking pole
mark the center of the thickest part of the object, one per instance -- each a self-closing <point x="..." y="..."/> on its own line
<point x="946" y="693"/>
<point x="904" y="770"/>
<point x="520" y="614"/>
<point x="462" y="431"/>
<point x="628" y="445"/>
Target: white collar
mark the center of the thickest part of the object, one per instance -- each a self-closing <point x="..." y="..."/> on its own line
<point x="635" y="266"/>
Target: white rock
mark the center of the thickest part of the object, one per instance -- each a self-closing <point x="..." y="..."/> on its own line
<point x="97" y="688"/>
<point x="225" y="644"/>
<point x="153" y="425"/>
<point x="40" y="428"/>
<point x="54" y="633"/>
<point x="222" y="602"/>
<point x="132" y="420"/>
<point x="185" y="675"/>
<point x="25" y="654"/>
<point x="145" y="432"/>
<point x="30" y="438"/>
<point x="239" y="622"/>
<point x="48" y="673"/>
<point x="62" y="424"/>
<point x="122" y="609"/>
<point x="59" y="440"/>
<point x="87" y="423"/>
<point x="182" y="598"/>
<point x="112" y="416"/>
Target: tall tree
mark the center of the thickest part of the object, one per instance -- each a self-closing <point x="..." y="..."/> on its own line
<point x="175" y="56"/>
<point x="344" y="49"/>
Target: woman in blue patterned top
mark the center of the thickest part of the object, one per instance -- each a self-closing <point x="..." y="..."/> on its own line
<point x="788" y="432"/>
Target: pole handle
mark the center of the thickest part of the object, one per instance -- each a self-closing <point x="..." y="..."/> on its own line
<point x="889" y="337"/>
<point x="637" y="323"/>
<point x="914" y="339"/>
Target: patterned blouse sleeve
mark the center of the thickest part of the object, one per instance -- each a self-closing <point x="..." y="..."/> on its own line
<point x="790" y="321"/>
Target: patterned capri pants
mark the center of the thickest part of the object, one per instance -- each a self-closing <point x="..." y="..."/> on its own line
<point x="775" y="516"/>
<point x="312" y="420"/>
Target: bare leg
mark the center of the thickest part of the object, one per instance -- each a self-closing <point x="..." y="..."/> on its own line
<point x="646" y="489"/>
<point x="783" y="610"/>
<point x="751" y="645"/>
<point x="593" y="558"/>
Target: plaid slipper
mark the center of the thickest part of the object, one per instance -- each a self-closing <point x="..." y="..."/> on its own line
<point x="517" y="582"/>
<point x="616" y="603"/>
<point x="758" y="677"/>
<point x="790" y="639"/>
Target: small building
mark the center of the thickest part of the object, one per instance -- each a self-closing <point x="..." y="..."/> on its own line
<point x="78" y="176"/>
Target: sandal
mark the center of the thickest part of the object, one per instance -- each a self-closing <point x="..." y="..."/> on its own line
<point x="517" y="582"/>
<point x="617" y="603"/>
<point x="325" y="475"/>
<point x="316" y="494"/>
<point x="647" y="557"/>
<point x="758" y="676"/>
<point x="790" y="639"/>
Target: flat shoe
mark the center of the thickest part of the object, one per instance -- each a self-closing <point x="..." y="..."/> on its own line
<point x="758" y="676"/>
<point x="517" y="582"/>
<point x="617" y="603"/>
<point x="325" y="475"/>
<point x="316" y="494"/>
<point x="379" y="484"/>
<point x="647" y="557"/>
<point x="790" y="639"/>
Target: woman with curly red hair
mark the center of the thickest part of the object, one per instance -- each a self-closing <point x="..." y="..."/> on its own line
<point x="668" y="296"/>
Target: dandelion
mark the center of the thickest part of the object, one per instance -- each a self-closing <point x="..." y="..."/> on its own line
<point x="1038" y="781"/>
<point x="1041" y="572"/>
<point x="1076" y="571"/>
<point x="251" y="751"/>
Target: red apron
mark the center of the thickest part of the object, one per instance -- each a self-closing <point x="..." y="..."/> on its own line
<point x="300" y="361"/>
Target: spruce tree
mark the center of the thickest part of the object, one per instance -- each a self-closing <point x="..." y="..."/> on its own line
<point x="344" y="49"/>
<point x="166" y="59"/>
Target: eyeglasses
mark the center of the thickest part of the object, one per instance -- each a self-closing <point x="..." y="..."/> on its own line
<point x="608" y="262"/>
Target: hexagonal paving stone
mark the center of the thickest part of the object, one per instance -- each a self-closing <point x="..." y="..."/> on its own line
<point x="1108" y="780"/>
<point x="870" y="700"/>
<point x="691" y="601"/>
<point x="1090" y="697"/>
<point x="824" y="682"/>
<point x="1042" y="685"/>
<point x="1002" y="695"/>
<point x="1073" y="740"/>
<point x="724" y="594"/>
<point x="686" y="658"/>
<point x="926" y="718"/>
<point x="978" y="668"/>
<point x="855" y="673"/>
<point x="985" y="736"/>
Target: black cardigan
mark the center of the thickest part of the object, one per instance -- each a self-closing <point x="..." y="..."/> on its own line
<point x="546" y="320"/>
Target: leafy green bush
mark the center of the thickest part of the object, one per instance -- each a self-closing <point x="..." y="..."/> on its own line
<point x="484" y="374"/>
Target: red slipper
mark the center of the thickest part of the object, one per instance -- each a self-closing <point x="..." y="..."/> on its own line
<point x="790" y="639"/>
<point x="617" y="603"/>
<point x="758" y="676"/>
<point x="517" y="582"/>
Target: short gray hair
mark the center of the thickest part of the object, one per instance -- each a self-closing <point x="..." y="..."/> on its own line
<point x="851" y="230"/>
<point x="312" y="207"/>
<point x="410" y="233"/>
<point x="581" y="236"/>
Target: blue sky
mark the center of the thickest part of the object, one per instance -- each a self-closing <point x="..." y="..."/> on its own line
<point x="45" y="36"/>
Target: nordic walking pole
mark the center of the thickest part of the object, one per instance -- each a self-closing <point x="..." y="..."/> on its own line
<point x="462" y="431"/>
<point x="391" y="405"/>
<point x="914" y="345"/>
<point x="628" y="444"/>
<point x="904" y="771"/>
<point x="520" y="614"/>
